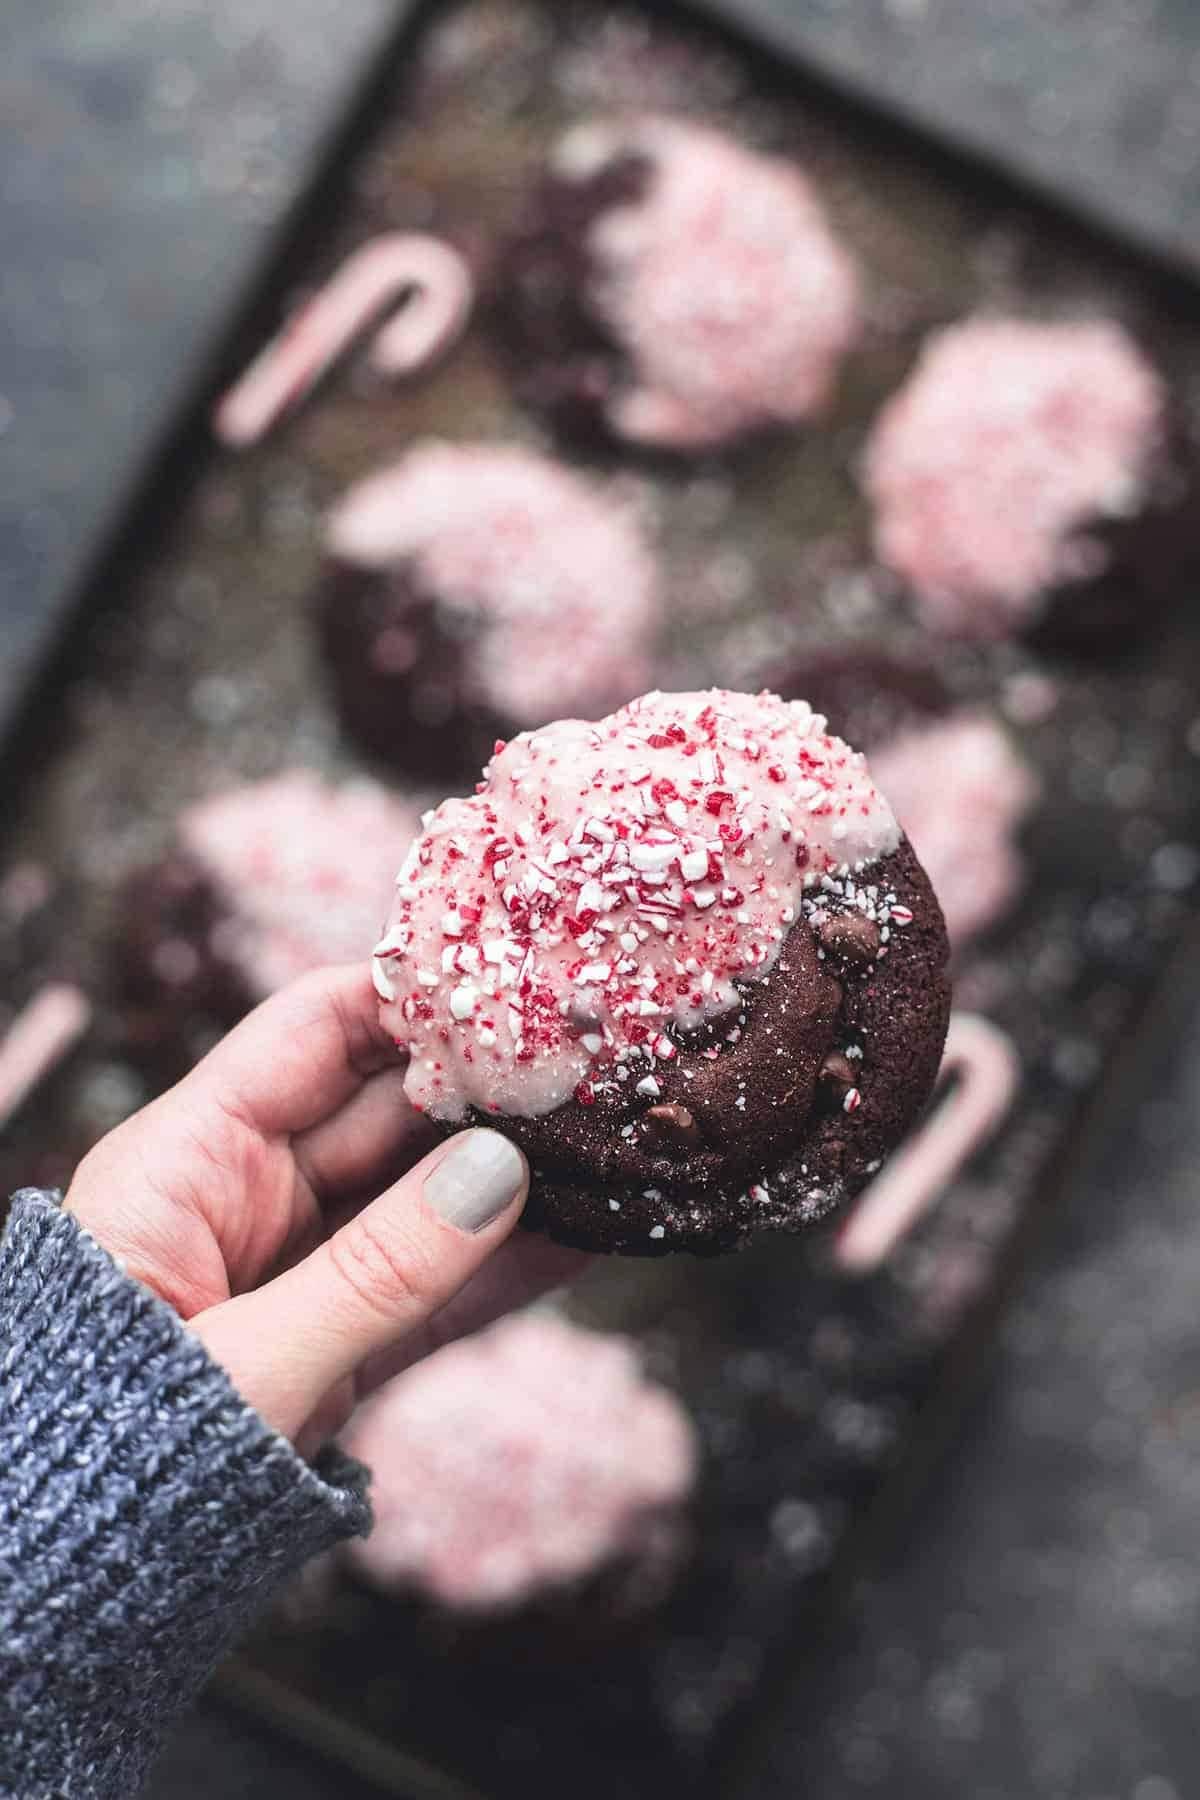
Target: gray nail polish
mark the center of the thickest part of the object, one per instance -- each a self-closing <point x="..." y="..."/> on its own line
<point x="479" y="1176"/>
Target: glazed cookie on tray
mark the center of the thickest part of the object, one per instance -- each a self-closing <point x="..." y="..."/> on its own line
<point x="685" y="957"/>
<point x="263" y="882"/>
<point x="475" y="589"/>
<point x="528" y="1465"/>
<point x="1031" y="475"/>
<point x="672" y="288"/>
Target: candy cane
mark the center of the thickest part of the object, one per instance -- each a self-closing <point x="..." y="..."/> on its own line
<point x="988" y="1070"/>
<point x="38" y="1039"/>
<point x="432" y="280"/>
<point x="434" y="315"/>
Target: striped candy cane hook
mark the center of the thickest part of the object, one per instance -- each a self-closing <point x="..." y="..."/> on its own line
<point x="436" y="292"/>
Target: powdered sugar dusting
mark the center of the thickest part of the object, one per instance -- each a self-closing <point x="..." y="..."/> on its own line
<point x="961" y="791"/>
<point x="306" y="869"/>
<point x="987" y="466"/>
<point x="722" y="280"/>
<point x="545" y="575"/>
<point x="609" y="884"/>
<point x="520" y="1459"/>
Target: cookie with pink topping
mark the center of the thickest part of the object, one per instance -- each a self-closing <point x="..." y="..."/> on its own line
<point x="263" y="883"/>
<point x="473" y="589"/>
<point x="1032" y="476"/>
<point x="525" y="1468"/>
<point x="674" y="289"/>
<point x="685" y="957"/>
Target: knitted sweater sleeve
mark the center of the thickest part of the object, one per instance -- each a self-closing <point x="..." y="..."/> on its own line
<point x="145" y="1513"/>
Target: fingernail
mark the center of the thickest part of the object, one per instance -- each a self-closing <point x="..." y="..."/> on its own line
<point x="479" y="1178"/>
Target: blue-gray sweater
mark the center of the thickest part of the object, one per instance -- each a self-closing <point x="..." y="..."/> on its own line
<point x="145" y="1513"/>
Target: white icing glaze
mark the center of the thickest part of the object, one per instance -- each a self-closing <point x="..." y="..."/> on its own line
<point x="722" y="280"/>
<point x="608" y="884"/>
<point x="522" y="1458"/>
<point x="1008" y="438"/>
<point x="547" y="575"/>
<point x="961" y="791"/>
<point x="306" y="869"/>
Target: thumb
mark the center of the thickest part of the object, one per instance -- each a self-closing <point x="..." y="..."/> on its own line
<point x="375" y="1281"/>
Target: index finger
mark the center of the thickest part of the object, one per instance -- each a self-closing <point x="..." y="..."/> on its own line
<point x="299" y="1056"/>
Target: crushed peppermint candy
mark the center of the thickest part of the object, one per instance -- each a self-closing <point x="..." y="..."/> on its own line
<point x="722" y="280"/>
<point x="987" y="467"/>
<point x="306" y="869"/>
<point x="517" y="1460"/>
<point x="544" y="577"/>
<point x="538" y="950"/>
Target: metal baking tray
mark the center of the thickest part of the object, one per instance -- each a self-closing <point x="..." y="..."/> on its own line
<point x="819" y="1398"/>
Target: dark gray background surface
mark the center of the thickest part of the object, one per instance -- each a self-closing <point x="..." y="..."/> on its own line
<point x="1097" y="101"/>
<point x="1036" y="1633"/>
<point x="149" y="150"/>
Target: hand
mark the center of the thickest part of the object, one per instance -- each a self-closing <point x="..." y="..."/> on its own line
<point x="264" y="1199"/>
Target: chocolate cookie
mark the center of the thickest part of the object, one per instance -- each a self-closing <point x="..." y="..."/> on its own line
<point x="671" y="288"/>
<point x="685" y="958"/>
<point x="1033" y="479"/>
<point x="263" y="883"/>
<point x="470" y="589"/>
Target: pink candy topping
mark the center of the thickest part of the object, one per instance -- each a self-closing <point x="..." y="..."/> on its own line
<point x="961" y="791"/>
<point x="723" y="281"/>
<point x="608" y="884"/>
<point x="989" y="464"/>
<point x="546" y="575"/>
<point x="306" y="869"/>
<point x="520" y="1459"/>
